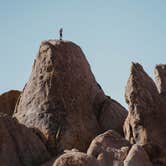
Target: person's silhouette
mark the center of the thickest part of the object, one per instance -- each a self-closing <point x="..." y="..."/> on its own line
<point x="60" y="33"/>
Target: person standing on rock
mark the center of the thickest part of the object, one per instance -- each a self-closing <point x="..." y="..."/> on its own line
<point x="60" y="33"/>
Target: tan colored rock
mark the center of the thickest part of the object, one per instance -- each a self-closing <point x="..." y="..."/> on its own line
<point x="62" y="98"/>
<point x="112" y="156"/>
<point x="137" y="157"/>
<point x="19" y="146"/>
<point x="8" y="101"/>
<point x="112" y="116"/>
<point x="76" y="159"/>
<point x="109" y="148"/>
<point x="52" y="161"/>
<point x="160" y="78"/>
<point x="145" y="123"/>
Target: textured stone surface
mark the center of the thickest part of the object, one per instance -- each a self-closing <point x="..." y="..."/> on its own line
<point x="76" y="159"/>
<point x="160" y="78"/>
<point x="62" y="98"/>
<point x="112" y="116"/>
<point x="8" y="101"/>
<point x="137" y="157"/>
<point x="109" y="148"/>
<point x="145" y="123"/>
<point x="19" y="146"/>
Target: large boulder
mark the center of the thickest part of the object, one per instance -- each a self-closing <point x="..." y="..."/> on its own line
<point x="62" y="98"/>
<point x="8" y="101"/>
<point x="137" y="157"/>
<point x="145" y="123"/>
<point x="110" y="148"/>
<point x="19" y="146"/>
<point x="76" y="159"/>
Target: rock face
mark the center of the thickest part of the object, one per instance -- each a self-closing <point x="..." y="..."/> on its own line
<point x="137" y="157"/>
<point x="19" y="146"/>
<point x="8" y="101"/>
<point x="62" y="98"/>
<point x="160" y="79"/>
<point x="76" y="159"/>
<point x="145" y="123"/>
<point x="112" y="116"/>
<point x="109" y="148"/>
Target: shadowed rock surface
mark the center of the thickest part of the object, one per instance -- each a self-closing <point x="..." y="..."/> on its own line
<point x="109" y="148"/>
<point x="146" y="122"/>
<point x="8" y="101"/>
<point x="19" y="146"/>
<point x="62" y="98"/>
<point x="110" y="112"/>
<point x="76" y="159"/>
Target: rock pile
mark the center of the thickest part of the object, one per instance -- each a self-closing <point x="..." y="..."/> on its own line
<point x="63" y="118"/>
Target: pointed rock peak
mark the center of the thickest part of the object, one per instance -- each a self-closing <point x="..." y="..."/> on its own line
<point x="138" y="84"/>
<point x="136" y="67"/>
<point x="137" y="70"/>
<point x="146" y="119"/>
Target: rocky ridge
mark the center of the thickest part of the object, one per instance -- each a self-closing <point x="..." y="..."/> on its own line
<point x="63" y="117"/>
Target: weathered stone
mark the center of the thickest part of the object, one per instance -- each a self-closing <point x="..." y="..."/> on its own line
<point x="109" y="148"/>
<point x="19" y="146"/>
<point x="58" y="98"/>
<point x="156" y="154"/>
<point x="62" y="98"/>
<point x="112" y="116"/>
<point x="76" y="159"/>
<point x="8" y="101"/>
<point x="147" y="111"/>
<point x="160" y="78"/>
<point x="137" y="157"/>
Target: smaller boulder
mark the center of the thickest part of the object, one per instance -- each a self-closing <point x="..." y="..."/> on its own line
<point x="8" y="101"/>
<point x="137" y="157"/>
<point x="110" y="148"/>
<point x="76" y="159"/>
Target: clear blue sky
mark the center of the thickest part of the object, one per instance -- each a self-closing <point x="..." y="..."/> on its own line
<point x="112" y="33"/>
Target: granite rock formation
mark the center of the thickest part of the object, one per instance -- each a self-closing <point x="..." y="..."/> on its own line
<point x="62" y="107"/>
<point x="63" y="100"/>
<point x="146" y="124"/>
<point x="19" y="146"/>
<point x="8" y="101"/>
